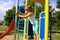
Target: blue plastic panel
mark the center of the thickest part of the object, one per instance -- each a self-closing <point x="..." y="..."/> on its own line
<point x="42" y="25"/>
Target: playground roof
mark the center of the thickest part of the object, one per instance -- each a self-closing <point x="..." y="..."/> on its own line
<point x="40" y="1"/>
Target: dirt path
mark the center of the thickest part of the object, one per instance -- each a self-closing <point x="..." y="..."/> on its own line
<point x="11" y="37"/>
<point x="8" y="37"/>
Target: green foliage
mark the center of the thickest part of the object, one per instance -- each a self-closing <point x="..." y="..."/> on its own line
<point x="58" y="15"/>
<point x="9" y="16"/>
<point x="56" y="18"/>
<point x="58" y="4"/>
<point x="38" y="11"/>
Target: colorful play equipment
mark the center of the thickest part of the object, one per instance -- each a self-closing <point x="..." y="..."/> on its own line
<point x="42" y="25"/>
<point x="43" y="22"/>
<point x="22" y="9"/>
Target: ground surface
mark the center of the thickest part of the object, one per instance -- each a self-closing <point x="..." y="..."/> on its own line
<point x="11" y="37"/>
<point x="55" y="36"/>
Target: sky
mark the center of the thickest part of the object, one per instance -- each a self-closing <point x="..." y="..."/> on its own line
<point x="8" y="4"/>
<point x="53" y="3"/>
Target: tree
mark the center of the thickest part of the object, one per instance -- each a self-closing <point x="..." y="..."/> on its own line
<point x="9" y="15"/>
<point x="58" y="4"/>
<point x="56" y="17"/>
<point x="58" y="14"/>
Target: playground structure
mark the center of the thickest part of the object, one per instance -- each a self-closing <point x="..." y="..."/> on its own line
<point x="43" y="21"/>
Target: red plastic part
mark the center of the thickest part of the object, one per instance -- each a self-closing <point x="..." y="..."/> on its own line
<point x="11" y="28"/>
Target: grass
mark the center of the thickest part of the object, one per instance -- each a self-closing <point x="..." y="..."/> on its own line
<point x="56" y="36"/>
<point x="3" y="28"/>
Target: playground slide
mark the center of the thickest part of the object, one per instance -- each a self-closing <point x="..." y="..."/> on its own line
<point x="11" y="28"/>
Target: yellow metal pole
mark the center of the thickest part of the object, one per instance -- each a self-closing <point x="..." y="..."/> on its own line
<point x="34" y="9"/>
<point x="46" y="19"/>
<point x="26" y="4"/>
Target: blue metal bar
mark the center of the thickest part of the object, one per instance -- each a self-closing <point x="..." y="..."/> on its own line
<point x="50" y="25"/>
